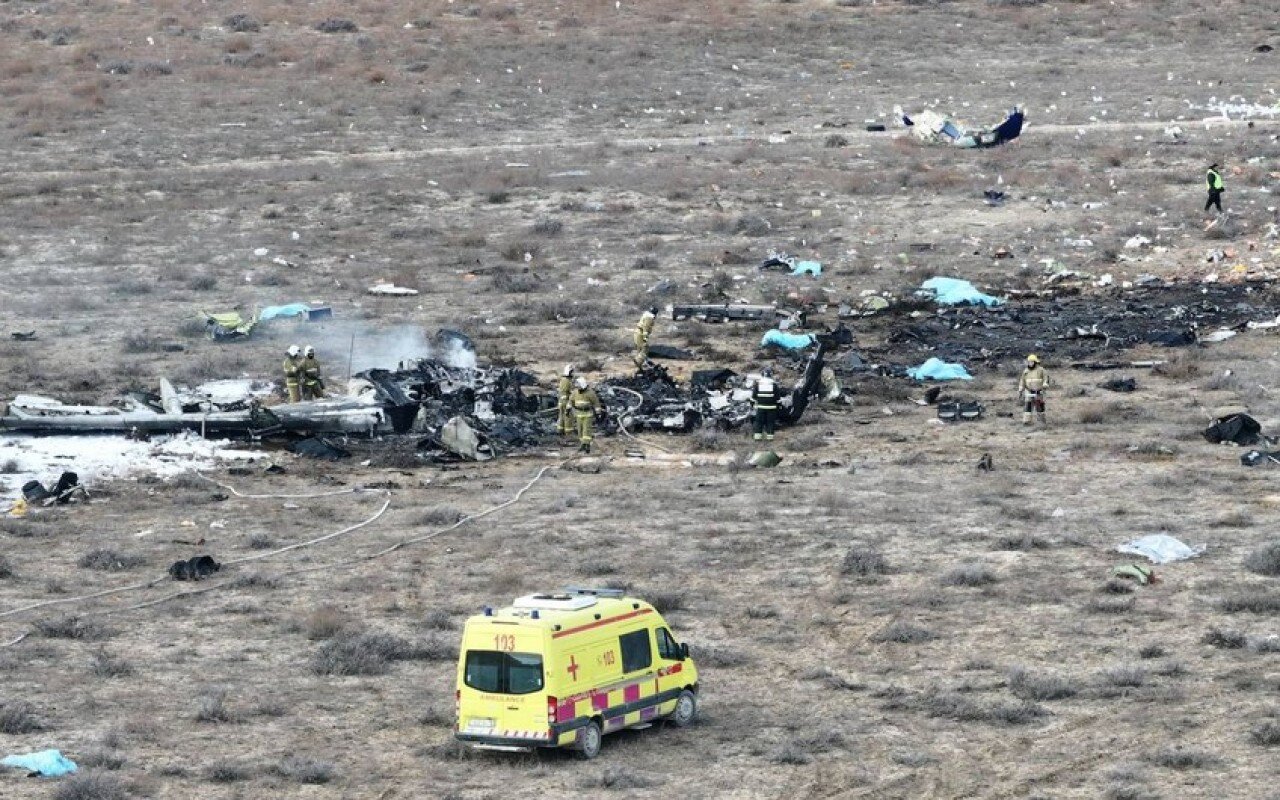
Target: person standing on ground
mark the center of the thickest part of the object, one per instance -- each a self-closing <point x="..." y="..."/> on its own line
<point x="564" y="423"/>
<point x="764" y="396"/>
<point x="1213" y="181"/>
<point x="293" y="372"/>
<point x="586" y="405"/>
<point x="1031" y="388"/>
<point x="644" y="328"/>
<point x="312" y="384"/>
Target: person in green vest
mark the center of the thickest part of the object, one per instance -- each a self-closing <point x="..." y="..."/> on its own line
<point x="1213" y="179"/>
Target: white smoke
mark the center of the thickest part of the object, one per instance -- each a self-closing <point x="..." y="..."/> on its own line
<point x="366" y="347"/>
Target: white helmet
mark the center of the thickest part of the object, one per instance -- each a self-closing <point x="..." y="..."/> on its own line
<point x="293" y="351"/>
<point x="310" y="351"/>
<point x="580" y="383"/>
<point x="568" y="370"/>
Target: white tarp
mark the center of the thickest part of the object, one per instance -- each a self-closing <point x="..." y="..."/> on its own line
<point x="1160" y="548"/>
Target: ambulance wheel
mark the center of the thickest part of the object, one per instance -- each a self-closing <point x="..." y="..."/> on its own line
<point x="686" y="709"/>
<point x="589" y="739"/>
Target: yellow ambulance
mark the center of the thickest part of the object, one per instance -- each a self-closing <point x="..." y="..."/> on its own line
<point x="563" y="669"/>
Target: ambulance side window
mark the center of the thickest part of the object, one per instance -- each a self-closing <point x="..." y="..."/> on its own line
<point x="636" y="653"/>
<point x="667" y="647"/>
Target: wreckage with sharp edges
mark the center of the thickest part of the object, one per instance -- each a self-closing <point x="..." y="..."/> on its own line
<point x="932" y="127"/>
<point x="651" y="401"/>
<point x="456" y="411"/>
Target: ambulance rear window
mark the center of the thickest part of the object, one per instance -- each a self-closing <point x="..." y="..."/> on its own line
<point x="503" y="673"/>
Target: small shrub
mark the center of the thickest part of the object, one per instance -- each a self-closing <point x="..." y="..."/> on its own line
<point x="212" y="707"/>
<point x="72" y="628"/>
<point x="373" y="653"/>
<point x="666" y="600"/>
<point x="972" y="575"/>
<point x="241" y="23"/>
<point x="836" y="140"/>
<point x="153" y="69"/>
<point x="100" y="759"/>
<point x="438" y="619"/>
<point x="17" y="717"/>
<point x="110" y="561"/>
<point x="1028" y="686"/>
<point x="1117" y="586"/>
<point x="1267" y="734"/>
<point x="752" y="225"/>
<point x="325" y="622"/>
<point x="435" y="717"/>
<point x="1151" y="651"/>
<point x="1177" y="758"/>
<point x="829" y="679"/>
<point x="761" y="612"/>
<point x="1265" y="560"/>
<point x="1124" y="676"/>
<point x="863" y="562"/>
<point x="616" y="778"/>
<point x="792" y="754"/>
<point x="439" y="516"/>
<point x="106" y="665"/>
<point x="305" y="770"/>
<point x="1110" y="605"/>
<point x="723" y="656"/>
<point x="90" y="786"/>
<point x="1024" y="541"/>
<point x="256" y="580"/>
<point x="958" y="707"/>
<point x="336" y="25"/>
<point x="261" y="541"/>
<point x="141" y="343"/>
<point x="498" y="196"/>
<point x="6" y="569"/>
<point x="1224" y="640"/>
<point x="548" y="227"/>
<point x="1251" y="602"/>
<point x="904" y="633"/>
<point x="202" y="283"/>
<point x="226" y="772"/>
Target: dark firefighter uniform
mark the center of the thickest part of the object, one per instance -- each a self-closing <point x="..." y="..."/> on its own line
<point x="1213" y="182"/>
<point x="764" y="396"/>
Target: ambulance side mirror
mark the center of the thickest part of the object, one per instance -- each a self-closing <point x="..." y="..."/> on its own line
<point x="684" y="651"/>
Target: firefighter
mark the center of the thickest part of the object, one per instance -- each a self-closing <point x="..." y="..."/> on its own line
<point x="293" y="372"/>
<point x="764" y="396"/>
<point x="312" y="384"/>
<point x="1213" y="182"/>
<point x="644" y="328"/>
<point x="564" y="422"/>
<point x="586" y="406"/>
<point x="1031" y="388"/>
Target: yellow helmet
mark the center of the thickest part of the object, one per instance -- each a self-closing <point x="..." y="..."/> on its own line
<point x="1033" y="359"/>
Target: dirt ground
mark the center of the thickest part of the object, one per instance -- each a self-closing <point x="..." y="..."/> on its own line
<point x="873" y="618"/>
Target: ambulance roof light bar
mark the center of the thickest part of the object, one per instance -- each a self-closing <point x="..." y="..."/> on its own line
<point x="582" y="590"/>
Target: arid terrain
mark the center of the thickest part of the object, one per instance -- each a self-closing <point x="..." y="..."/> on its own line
<point x="873" y="618"/>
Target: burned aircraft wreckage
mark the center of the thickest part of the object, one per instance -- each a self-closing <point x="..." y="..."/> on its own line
<point x="470" y="412"/>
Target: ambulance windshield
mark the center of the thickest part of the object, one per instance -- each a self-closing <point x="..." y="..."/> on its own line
<point x="503" y="673"/>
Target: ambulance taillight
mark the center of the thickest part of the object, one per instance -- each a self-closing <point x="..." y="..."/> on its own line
<point x="457" y="707"/>
<point x="551" y="710"/>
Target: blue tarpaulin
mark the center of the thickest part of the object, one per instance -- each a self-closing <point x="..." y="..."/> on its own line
<point x="291" y="310"/>
<point x="938" y="370"/>
<point x="954" y="292"/>
<point x="788" y="341"/>
<point x="807" y="268"/>
<point x="49" y="763"/>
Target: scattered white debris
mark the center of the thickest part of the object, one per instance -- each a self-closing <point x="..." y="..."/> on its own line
<point x="391" y="289"/>
<point x="99" y="458"/>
